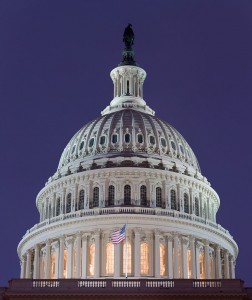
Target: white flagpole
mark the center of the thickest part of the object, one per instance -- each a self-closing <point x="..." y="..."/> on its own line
<point x="126" y="242"/>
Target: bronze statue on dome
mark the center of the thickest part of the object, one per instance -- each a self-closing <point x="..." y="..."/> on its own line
<point x="128" y="36"/>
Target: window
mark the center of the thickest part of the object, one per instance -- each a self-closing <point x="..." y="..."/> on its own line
<point x="102" y="140"/>
<point x="96" y="197"/>
<point x="127" y="258"/>
<point x="109" y="258"/>
<point x="52" y="266"/>
<point x="114" y="138"/>
<point x="162" y="259"/>
<point x="163" y="142"/>
<point x="189" y="264"/>
<point x="186" y="203"/>
<point x="202" y="271"/>
<point x="173" y="145"/>
<point x="158" y="197"/>
<point x="181" y="149"/>
<point x="144" y="258"/>
<point x="91" y="260"/>
<point x="152" y="140"/>
<point x="68" y="204"/>
<point x="173" y="199"/>
<point x="143" y="195"/>
<point x="81" y="145"/>
<point x="140" y="138"/>
<point x="127" y="194"/>
<point x="127" y="138"/>
<point x="73" y="149"/>
<point x="81" y="199"/>
<point x="111" y="195"/>
<point x="58" y="207"/>
<point x="91" y="142"/>
<point x="196" y="206"/>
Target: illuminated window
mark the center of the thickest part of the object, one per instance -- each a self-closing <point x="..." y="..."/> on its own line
<point x="173" y="199"/>
<point x="179" y="262"/>
<point x="127" y="194"/>
<point x="143" y="195"/>
<point x="96" y="197"/>
<point x="162" y="259"/>
<point x="144" y="258"/>
<point x="58" y="207"/>
<point x="65" y="264"/>
<point x="91" y="260"/>
<point x="52" y="265"/>
<point x="109" y="256"/>
<point x="189" y="263"/>
<point x="158" y="197"/>
<point x="127" y="258"/>
<point x="68" y="204"/>
<point x="74" y="262"/>
<point x="81" y="199"/>
<point x="43" y="266"/>
<point x="196" y="206"/>
<point x="186" y="203"/>
<point x="111" y="195"/>
<point x="211" y="267"/>
<point x="202" y="271"/>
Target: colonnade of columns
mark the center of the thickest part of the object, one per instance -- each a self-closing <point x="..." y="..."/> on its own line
<point x="182" y="257"/>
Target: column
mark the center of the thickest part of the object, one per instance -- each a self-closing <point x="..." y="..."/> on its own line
<point x="226" y="265"/>
<point x="137" y="253"/>
<point x="48" y="260"/>
<point x="78" y="255"/>
<point x="84" y="257"/>
<point x="157" y="253"/>
<point x="23" y="267"/>
<point x="97" y="254"/>
<point x="61" y="257"/>
<point x="28" y="265"/>
<point x="218" y="263"/>
<point x="56" y="247"/>
<point x="207" y="259"/>
<point x="193" y="258"/>
<point x="36" y="262"/>
<point x="184" y="243"/>
<point x="198" y="246"/>
<point x="170" y="256"/>
<point x="232" y="268"/>
<point x="69" y="242"/>
<point x="176" y="257"/>
<point x="117" y="251"/>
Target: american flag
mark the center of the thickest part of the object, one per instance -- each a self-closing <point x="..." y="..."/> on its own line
<point x="119" y="235"/>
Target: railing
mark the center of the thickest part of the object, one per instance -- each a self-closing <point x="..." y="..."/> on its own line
<point x="114" y="285"/>
<point x="128" y="210"/>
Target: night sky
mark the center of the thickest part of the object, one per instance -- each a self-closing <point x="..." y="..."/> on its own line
<point x="55" y="60"/>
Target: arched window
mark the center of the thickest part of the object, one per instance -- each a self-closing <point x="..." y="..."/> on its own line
<point x="144" y="258"/>
<point x="58" y="207"/>
<point x="140" y="138"/>
<point x="111" y="195"/>
<point x="127" y="194"/>
<point x="162" y="259"/>
<point x="189" y="264"/>
<point x="186" y="203"/>
<point x="127" y="258"/>
<point x="173" y="199"/>
<point x="91" y="260"/>
<point x="158" y="197"/>
<point x="96" y="197"/>
<point x="81" y="199"/>
<point x="143" y="195"/>
<point x="68" y="204"/>
<point x="109" y="257"/>
<point x="127" y="138"/>
<point x="196" y="206"/>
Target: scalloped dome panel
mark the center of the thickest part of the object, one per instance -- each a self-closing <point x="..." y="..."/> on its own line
<point x="128" y="132"/>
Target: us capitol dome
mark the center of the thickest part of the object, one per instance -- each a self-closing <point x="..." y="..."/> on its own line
<point x="128" y="167"/>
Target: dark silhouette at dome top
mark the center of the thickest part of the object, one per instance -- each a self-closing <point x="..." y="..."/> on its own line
<point x="128" y="37"/>
<point x="128" y="53"/>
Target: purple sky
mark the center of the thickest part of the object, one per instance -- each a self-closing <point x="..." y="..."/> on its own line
<point x="55" y="60"/>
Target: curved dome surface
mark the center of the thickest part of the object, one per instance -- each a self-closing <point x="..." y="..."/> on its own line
<point x="128" y="133"/>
